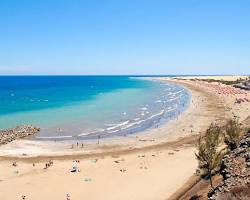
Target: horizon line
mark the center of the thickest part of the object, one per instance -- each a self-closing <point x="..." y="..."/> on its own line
<point x="124" y="75"/>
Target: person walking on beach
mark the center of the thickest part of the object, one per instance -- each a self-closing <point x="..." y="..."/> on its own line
<point x="68" y="197"/>
<point x="98" y="139"/>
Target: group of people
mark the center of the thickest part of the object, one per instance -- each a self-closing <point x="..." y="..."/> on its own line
<point x="221" y="89"/>
<point x="48" y="164"/>
<point x="77" y="145"/>
<point x="241" y="100"/>
<point x="226" y="90"/>
<point x="67" y="197"/>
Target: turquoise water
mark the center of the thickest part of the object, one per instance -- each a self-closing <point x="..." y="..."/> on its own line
<point x="88" y="106"/>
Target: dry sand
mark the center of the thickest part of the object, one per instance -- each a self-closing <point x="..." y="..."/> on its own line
<point x="150" y="165"/>
<point x="154" y="176"/>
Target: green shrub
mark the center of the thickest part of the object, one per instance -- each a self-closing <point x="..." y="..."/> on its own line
<point x="233" y="133"/>
<point x="208" y="155"/>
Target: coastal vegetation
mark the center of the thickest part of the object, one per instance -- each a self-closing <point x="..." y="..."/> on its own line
<point x="226" y="82"/>
<point x="233" y="133"/>
<point x="209" y="155"/>
<point x="224" y="152"/>
<point x="235" y="171"/>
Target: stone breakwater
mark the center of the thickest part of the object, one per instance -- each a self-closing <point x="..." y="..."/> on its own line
<point x="9" y="135"/>
<point x="236" y="174"/>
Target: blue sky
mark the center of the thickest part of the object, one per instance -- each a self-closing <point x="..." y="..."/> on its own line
<point x="124" y="37"/>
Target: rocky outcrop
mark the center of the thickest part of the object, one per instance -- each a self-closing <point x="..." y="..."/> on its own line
<point x="9" y="135"/>
<point x="243" y="85"/>
<point x="236" y="174"/>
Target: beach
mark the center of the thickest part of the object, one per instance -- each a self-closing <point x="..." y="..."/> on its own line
<point x="152" y="164"/>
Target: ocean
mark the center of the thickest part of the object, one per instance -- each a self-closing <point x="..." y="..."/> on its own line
<point x="87" y="107"/>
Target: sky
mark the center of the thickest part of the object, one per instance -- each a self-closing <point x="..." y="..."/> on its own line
<point x="101" y="37"/>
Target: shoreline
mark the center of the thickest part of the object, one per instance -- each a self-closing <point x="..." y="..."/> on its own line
<point x="167" y="132"/>
<point x="131" y="126"/>
<point x="154" y="161"/>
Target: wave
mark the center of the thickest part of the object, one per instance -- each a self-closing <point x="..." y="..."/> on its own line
<point x="110" y="125"/>
<point x="169" y="110"/>
<point x="136" y="119"/>
<point x="113" y="131"/>
<point x="143" y="120"/>
<point x="91" y="132"/>
<point x="172" y="99"/>
<point x="178" y="92"/>
<point x="158" y="114"/>
<point x="117" y="125"/>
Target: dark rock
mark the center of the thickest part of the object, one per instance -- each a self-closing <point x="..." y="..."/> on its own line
<point x="9" y="135"/>
<point x="235" y="170"/>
